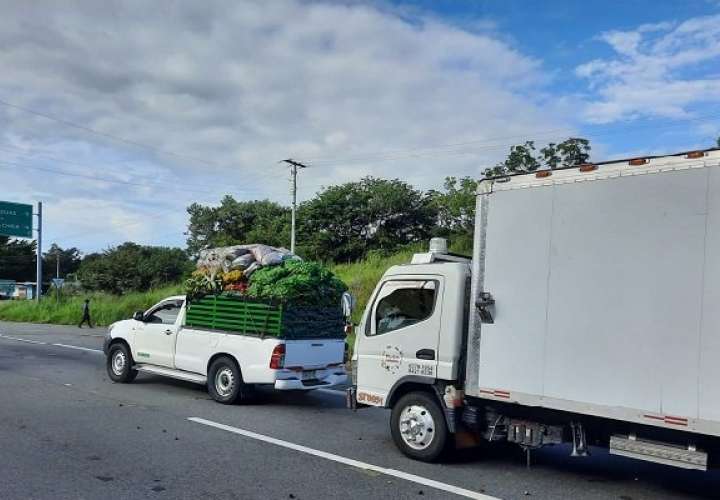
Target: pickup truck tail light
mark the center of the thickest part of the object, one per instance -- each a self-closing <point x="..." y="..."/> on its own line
<point x="277" y="358"/>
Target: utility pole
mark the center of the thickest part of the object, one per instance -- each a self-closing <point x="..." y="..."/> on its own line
<point x="57" y="276"/>
<point x="38" y="291"/>
<point x="294" y="165"/>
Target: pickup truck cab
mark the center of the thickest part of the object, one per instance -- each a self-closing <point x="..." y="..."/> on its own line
<point x="158" y="342"/>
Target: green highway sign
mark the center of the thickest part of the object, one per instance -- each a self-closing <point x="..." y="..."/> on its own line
<point x="16" y="219"/>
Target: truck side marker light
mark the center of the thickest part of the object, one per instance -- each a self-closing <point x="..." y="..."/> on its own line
<point x="695" y="154"/>
<point x="543" y="173"/>
<point x="637" y="162"/>
<point x="588" y="167"/>
<point x="668" y="419"/>
<point x="496" y="392"/>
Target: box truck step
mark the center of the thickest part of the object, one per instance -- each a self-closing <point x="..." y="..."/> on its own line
<point x="661" y="453"/>
<point x="169" y="372"/>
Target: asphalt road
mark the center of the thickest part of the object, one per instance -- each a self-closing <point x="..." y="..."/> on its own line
<point x="67" y="432"/>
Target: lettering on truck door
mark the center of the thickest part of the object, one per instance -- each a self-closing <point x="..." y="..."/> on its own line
<point x="155" y="336"/>
<point x="401" y="336"/>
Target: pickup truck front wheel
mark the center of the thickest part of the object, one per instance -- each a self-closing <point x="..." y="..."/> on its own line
<point x="119" y="364"/>
<point x="225" y="383"/>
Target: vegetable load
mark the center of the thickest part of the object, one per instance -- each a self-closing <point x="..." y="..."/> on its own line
<point x="261" y="290"/>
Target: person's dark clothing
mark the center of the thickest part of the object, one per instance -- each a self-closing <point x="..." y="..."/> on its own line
<point x="86" y="316"/>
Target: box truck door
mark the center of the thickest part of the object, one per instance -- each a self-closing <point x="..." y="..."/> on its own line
<point x="400" y="336"/>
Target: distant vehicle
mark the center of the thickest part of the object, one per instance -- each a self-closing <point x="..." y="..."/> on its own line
<point x="160" y="342"/>
<point x="588" y="315"/>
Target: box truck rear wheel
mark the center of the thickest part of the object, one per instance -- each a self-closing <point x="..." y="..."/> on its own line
<point x="224" y="381"/>
<point x="418" y="426"/>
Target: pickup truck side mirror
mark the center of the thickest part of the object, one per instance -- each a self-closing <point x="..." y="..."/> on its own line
<point x="139" y="316"/>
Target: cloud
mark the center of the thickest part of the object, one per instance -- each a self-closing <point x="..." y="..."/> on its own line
<point x="237" y="86"/>
<point x="658" y="70"/>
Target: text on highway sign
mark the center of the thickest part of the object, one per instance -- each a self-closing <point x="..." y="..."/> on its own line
<point x="16" y="219"/>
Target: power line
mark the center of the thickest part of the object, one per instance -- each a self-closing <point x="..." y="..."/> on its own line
<point x="169" y="186"/>
<point x="105" y="134"/>
<point x="431" y="152"/>
<point x="30" y="156"/>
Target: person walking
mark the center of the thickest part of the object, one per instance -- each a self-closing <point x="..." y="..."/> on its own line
<point x="86" y="314"/>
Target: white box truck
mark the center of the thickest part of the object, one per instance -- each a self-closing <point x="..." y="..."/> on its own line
<point x="588" y="314"/>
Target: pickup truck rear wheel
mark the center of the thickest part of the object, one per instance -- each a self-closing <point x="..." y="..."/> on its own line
<point x="225" y="383"/>
<point x="119" y="364"/>
<point x="418" y="427"/>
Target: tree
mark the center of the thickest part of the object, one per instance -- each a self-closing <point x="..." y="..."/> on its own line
<point x="132" y="267"/>
<point x="573" y="151"/>
<point x="237" y="222"/>
<point x="455" y="208"/>
<point x="17" y="259"/>
<point x="344" y="222"/>
<point x="522" y="158"/>
<point x="69" y="261"/>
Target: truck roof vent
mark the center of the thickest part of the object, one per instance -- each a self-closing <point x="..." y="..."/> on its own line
<point x="438" y="245"/>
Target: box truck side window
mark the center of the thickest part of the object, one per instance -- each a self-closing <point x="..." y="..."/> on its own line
<point x="404" y="303"/>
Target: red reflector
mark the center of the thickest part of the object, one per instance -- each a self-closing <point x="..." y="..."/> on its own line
<point x="543" y="173"/>
<point x="695" y="154"/>
<point x="277" y="358"/>
<point x="638" y="161"/>
<point x="587" y="167"/>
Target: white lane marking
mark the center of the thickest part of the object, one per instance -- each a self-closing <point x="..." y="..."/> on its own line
<point x="23" y="340"/>
<point x="347" y="461"/>
<point x="57" y="345"/>
<point x="78" y="348"/>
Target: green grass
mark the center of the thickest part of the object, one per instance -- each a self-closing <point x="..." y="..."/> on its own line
<point x="104" y="308"/>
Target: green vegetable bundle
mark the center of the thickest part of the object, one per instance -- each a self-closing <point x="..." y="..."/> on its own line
<point x="305" y="283"/>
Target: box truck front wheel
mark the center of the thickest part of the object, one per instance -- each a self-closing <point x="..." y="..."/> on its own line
<point x="418" y="426"/>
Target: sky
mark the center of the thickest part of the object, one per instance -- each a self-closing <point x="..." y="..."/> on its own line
<point x="119" y="114"/>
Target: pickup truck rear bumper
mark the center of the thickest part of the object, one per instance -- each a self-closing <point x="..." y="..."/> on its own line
<point x="308" y="385"/>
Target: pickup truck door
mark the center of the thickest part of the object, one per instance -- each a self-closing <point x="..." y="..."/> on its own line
<point x="400" y="336"/>
<point x="155" y="336"/>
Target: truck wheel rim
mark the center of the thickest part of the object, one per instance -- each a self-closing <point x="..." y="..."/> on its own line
<point x="417" y="427"/>
<point x="118" y="362"/>
<point x="224" y="381"/>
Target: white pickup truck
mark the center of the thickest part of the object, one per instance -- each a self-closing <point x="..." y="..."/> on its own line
<point x="158" y="341"/>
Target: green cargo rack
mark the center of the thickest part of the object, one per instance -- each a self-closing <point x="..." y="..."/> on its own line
<point x="243" y="316"/>
<point x="234" y="314"/>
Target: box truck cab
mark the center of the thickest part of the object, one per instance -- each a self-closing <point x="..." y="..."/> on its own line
<point x="587" y="315"/>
